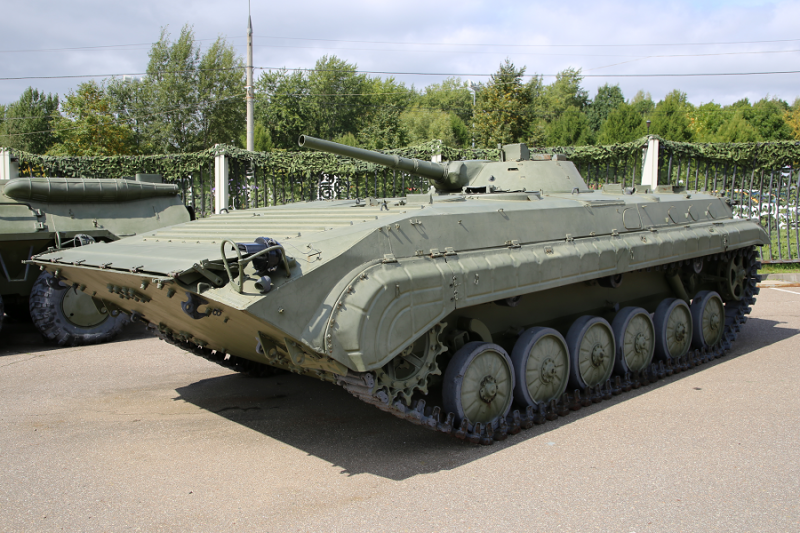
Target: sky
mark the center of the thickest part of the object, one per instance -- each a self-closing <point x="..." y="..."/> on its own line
<point x="423" y="42"/>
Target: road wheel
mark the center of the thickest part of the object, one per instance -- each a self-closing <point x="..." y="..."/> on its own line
<point x="541" y="366"/>
<point x="70" y="317"/>
<point x="591" y="348"/>
<point x="479" y="384"/>
<point x="708" y="319"/>
<point x="636" y="340"/>
<point x="673" y="322"/>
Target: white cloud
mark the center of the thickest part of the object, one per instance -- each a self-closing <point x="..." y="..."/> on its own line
<point x="423" y="28"/>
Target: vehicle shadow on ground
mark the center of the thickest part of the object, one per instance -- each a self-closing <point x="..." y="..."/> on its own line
<point x="22" y="337"/>
<point x="322" y="420"/>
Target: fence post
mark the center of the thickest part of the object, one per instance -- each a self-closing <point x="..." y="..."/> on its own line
<point x="222" y="194"/>
<point x="650" y="167"/>
<point x="9" y="165"/>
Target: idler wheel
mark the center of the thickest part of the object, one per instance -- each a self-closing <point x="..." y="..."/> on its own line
<point x="591" y="348"/>
<point x="479" y="384"/>
<point x="708" y="319"/>
<point x="673" y="322"/>
<point x="541" y="366"/>
<point x="70" y="317"/>
<point x="635" y="337"/>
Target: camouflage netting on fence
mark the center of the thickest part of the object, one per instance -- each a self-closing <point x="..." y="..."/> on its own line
<point x="762" y="178"/>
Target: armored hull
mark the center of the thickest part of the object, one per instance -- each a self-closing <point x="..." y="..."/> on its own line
<point x="509" y="295"/>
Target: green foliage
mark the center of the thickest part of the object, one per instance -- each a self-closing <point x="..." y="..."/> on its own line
<point x="624" y="124"/>
<point x="670" y="119"/>
<point x="792" y="118"/>
<point x="450" y="96"/>
<point x="643" y="103"/>
<point x="26" y="123"/>
<point x="767" y="118"/>
<point x="501" y="112"/>
<point x="607" y="100"/>
<point x="330" y="102"/>
<point x="188" y="101"/>
<point x="423" y="124"/>
<point x="565" y="92"/>
<point x="570" y="128"/>
<point x="262" y="140"/>
<point x="88" y="126"/>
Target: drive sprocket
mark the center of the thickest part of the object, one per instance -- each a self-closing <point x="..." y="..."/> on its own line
<point x="412" y="369"/>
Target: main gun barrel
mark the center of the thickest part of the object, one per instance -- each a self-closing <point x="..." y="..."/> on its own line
<point x="433" y="171"/>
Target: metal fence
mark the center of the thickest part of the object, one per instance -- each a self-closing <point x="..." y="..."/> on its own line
<point x="762" y="179"/>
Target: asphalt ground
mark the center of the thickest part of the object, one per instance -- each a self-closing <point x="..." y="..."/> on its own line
<point x="137" y="435"/>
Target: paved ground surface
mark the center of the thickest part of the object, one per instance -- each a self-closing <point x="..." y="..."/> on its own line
<point x="137" y="435"/>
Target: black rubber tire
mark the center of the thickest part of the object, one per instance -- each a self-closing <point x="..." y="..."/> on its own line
<point x="454" y="375"/>
<point x="48" y="316"/>
<point x="2" y="314"/>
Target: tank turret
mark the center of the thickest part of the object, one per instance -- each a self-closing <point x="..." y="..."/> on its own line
<point x="516" y="172"/>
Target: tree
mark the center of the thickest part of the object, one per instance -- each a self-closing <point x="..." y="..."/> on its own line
<point x="262" y="140"/>
<point x="502" y="108"/>
<point x="451" y="96"/>
<point x="608" y="98"/>
<point x="624" y="124"/>
<point x="643" y="103"/>
<point x="706" y="121"/>
<point x="792" y="118"/>
<point x="188" y="101"/>
<point x="89" y="127"/>
<point x="425" y="124"/>
<point x="566" y="92"/>
<point x="27" y="123"/>
<point x="571" y="128"/>
<point x="736" y="130"/>
<point x="670" y="118"/>
<point x="379" y="125"/>
<point x="768" y="118"/>
<point x="282" y="106"/>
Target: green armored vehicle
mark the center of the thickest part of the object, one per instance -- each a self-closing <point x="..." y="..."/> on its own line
<point x="39" y="214"/>
<point x="509" y="294"/>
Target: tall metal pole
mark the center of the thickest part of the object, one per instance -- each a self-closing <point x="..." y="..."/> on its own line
<point x="249" y="87"/>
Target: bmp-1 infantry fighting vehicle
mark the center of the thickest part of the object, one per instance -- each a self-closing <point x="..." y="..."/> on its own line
<point x="507" y="295"/>
<point x="37" y="214"/>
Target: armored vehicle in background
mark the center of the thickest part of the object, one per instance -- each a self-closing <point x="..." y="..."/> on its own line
<point x="39" y="214"/>
<point x="507" y="295"/>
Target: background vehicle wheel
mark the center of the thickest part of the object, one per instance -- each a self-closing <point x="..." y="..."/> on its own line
<point x="635" y="337"/>
<point x="590" y="340"/>
<point x="68" y="316"/>
<point x="479" y="384"/>
<point x="541" y="366"/>
<point x="673" y="322"/>
<point x="708" y="319"/>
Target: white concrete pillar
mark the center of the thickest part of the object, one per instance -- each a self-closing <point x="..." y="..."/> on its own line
<point x="9" y="166"/>
<point x="221" y="192"/>
<point x="650" y="167"/>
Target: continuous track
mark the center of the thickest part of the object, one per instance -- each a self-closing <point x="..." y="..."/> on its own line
<point x="362" y="385"/>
